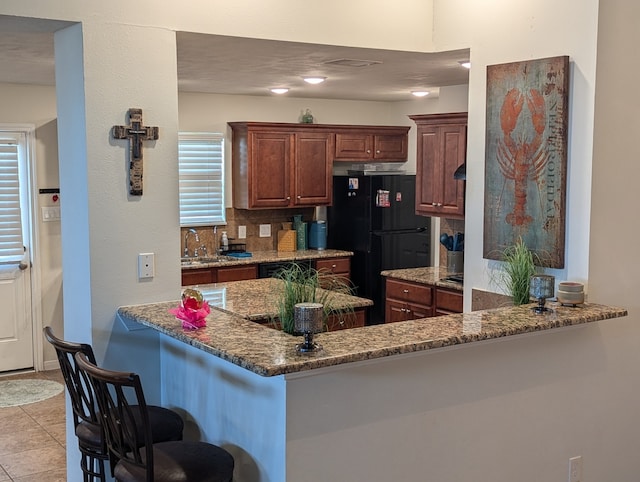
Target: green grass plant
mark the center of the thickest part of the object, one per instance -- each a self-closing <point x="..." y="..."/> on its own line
<point x="519" y="266"/>
<point x="303" y="284"/>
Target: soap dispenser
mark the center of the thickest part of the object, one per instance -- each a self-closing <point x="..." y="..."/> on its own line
<point x="224" y="242"/>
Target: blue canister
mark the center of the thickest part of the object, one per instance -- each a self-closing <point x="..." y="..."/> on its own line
<point x="318" y="235"/>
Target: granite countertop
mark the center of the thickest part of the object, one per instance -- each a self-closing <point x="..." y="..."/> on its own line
<point x="269" y="257"/>
<point x="257" y="299"/>
<point x="269" y="352"/>
<point x="429" y="275"/>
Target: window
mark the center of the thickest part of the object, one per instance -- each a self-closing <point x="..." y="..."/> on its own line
<point x="13" y="153"/>
<point x="201" y="175"/>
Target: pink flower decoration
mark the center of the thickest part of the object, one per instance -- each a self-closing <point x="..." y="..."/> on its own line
<point x="191" y="316"/>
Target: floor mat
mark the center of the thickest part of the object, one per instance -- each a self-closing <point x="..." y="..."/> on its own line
<point x="22" y="392"/>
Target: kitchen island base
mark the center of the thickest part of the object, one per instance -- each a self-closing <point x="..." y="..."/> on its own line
<point x="479" y="411"/>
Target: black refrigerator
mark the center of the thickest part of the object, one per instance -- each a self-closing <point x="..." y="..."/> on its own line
<point x="374" y="216"/>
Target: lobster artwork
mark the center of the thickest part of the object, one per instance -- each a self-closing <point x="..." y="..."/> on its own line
<point x="526" y="158"/>
<point x="521" y="159"/>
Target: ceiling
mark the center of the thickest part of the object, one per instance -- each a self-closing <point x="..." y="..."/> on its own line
<point x="243" y="66"/>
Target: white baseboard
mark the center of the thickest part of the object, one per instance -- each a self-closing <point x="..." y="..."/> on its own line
<point x="51" y="365"/>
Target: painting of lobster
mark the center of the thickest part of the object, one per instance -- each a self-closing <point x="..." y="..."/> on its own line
<point x="522" y="159"/>
<point x="526" y="157"/>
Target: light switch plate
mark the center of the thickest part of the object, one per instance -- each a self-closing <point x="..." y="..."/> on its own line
<point x="265" y="230"/>
<point x="242" y="232"/>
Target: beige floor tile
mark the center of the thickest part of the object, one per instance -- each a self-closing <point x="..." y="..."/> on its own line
<point x="50" y="476"/>
<point x="3" y="475"/>
<point x="34" y="461"/>
<point x="13" y="442"/>
<point x="59" y="432"/>
<point x="8" y="413"/>
<point x="47" y="412"/>
<point x="18" y="422"/>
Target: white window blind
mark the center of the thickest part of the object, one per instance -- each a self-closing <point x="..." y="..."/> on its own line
<point x="201" y="166"/>
<point x="11" y="241"/>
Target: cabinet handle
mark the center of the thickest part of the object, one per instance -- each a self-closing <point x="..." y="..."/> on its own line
<point x="378" y="152"/>
<point x="434" y="204"/>
<point x="405" y="291"/>
<point x="299" y="197"/>
<point x="333" y="266"/>
<point x="439" y="204"/>
<point x="288" y="198"/>
<point x="368" y="151"/>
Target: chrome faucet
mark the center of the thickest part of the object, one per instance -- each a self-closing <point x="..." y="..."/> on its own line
<point x="186" y="239"/>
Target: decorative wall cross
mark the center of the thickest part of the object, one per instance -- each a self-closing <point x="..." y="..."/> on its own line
<point x="136" y="133"/>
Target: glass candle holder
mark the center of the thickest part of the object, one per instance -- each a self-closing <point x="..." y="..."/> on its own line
<point x="541" y="287"/>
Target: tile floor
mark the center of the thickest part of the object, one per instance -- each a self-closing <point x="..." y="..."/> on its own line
<point x="32" y="438"/>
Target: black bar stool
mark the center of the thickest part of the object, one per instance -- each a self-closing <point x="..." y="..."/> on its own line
<point x="152" y="462"/>
<point x="165" y="424"/>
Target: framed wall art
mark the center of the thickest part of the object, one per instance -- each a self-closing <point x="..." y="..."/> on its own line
<point x="526" y="158"/>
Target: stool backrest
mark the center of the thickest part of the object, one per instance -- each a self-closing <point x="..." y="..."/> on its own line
<point x="116" y="392"/>
<point x="82" y="397"/>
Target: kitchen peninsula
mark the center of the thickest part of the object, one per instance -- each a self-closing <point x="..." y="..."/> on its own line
<point x="375" y="398"/>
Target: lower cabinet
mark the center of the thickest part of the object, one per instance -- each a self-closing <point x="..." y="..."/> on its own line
<point x="406" y="300"/>
<point x="337" y="270"/>
<point x="200" y="276"/>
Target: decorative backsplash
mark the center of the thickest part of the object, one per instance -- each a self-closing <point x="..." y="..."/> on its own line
<point x="252" y="220"/>
<point x="449" y="226"/>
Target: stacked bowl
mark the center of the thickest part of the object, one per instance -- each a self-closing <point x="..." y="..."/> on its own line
<point x="570" y="293"/>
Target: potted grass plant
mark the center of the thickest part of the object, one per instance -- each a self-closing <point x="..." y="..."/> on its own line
<point x="301" y="284"/>
<point x="519" y="264"/>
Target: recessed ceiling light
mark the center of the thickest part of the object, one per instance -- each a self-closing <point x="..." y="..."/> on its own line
<point x="465" y="63"/>
<point x="279" y="90"/>
<point x="420" y="93"/>
<point x="314" y="80"/>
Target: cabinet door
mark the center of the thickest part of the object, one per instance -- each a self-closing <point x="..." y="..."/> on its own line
<point x="313" y="169"/>
<point x="269" y="169"/>
<point x="236" y="273"/>
<point x="354" y="145"/>
<point x="441" y="149"/>
<point x="448" y="302"/>
<point x="453" y="147"/>
<point x="198" y="276"/>
<point x="391" y="147"/>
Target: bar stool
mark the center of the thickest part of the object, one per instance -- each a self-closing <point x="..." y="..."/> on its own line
<point x="165" y="424"/>
<point x="153" y="462"/>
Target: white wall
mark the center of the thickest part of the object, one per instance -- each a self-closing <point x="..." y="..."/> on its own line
<point x="500" y="31"/>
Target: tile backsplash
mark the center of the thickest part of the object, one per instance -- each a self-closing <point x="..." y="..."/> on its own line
<point x="448" y="226"/>
<point x="252" y="219"/>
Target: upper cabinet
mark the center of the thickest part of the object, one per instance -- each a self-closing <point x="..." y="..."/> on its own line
<point x="441" y="149"/>
<point x="280" y="166"/>
<point x="373" y="143"/>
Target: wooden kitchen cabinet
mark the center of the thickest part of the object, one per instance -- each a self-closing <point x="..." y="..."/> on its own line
<point x="201" y="276"/>
<point x="407" y="301"/>
<point x="441" y="149"/>
<point x="281" y="165"/>
<point x="448" y="302"/>
<point x="388" y="144"/>
<point x="338" y="269"/>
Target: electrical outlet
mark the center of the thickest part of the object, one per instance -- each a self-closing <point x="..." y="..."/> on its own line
<point x="265" y="230"/>
<point x="242" y="232"/>
<point x="575" y="469"/>
<point x="146" y="265"/>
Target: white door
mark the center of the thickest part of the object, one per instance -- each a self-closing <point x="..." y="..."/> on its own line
<point x="16" y="327"/>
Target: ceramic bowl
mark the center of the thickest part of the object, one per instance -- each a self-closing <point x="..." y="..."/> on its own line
<point x="571" y="287"/>
<point x="570" y="297"/>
